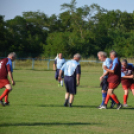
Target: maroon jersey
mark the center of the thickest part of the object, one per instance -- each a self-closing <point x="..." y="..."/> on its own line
<point x="5" y="66"/>
<point x="127" y="71"/>
<point x="116" y="76"/>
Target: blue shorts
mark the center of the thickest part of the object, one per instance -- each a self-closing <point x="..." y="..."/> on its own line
<point x="70" y="84"/>
<point x="57" y="74"/>
<point x="104" y="84"/>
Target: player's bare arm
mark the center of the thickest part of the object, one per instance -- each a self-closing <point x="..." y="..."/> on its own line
<point x="11" y="77"/>
<point x="54" y="67"/>
<point x="128" y="77"/>
<point x="108" y="70"/>
<point x="78" y="79"/>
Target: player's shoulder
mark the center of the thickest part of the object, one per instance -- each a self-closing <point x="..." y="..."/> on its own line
<point x="5" y="60"/>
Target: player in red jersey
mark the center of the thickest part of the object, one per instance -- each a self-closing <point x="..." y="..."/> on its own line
<point x="127" y="79"/>
<point x="6" y="70"/>
<point x="114" y="79"/>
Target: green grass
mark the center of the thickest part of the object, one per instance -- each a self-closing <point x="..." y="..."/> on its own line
<point x="37" y="107"/>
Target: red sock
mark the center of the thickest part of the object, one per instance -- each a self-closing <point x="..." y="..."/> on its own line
<point x="107" y="99"/>
<point x="6" y="97"/>
<point x="4" y="94"/>
<point x="125" y="99"/>
<point x="115" y="99"/>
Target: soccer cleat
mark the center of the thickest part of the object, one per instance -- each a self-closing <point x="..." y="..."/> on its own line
<point x="103" y="107"/>
<point x="125" y="105"/>
<point x="6" y="103"/>
<point x="2" y="104"/>
<point x="112" y="104"/>
<point x="99" y="106"/>
<point x="119" y="106"/>
<point x="70" y="104"/>
<point x="65" y="104"/>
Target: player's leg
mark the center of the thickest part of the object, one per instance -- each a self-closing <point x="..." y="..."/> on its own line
<point x="66" y="99"/>
<point x="125" y="97"/>
<point x="67" y="91"/>
<point x="71" y="99"/>
<point x="61" y="82"/>
<point x="5" y="93"/>
<point x="114" y="97"/>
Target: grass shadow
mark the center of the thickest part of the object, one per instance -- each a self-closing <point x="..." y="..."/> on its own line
<point x="45" y="124"/>
<point x="73" y="106"/>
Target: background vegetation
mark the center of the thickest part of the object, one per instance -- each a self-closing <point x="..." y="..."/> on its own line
<point x="86" y="29"/>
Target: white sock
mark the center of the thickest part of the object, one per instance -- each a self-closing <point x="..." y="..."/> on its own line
<point x="61" y="82"/>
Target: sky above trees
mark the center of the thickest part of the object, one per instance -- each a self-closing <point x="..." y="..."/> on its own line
<point x="12" y="8"/>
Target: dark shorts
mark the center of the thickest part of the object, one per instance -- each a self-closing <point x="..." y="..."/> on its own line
<point x="57" y="74"/>
<point x="70" y="84"/>
<point x="104" y="84"/>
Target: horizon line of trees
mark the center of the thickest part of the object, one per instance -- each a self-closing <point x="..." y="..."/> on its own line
<point x="86" y="29"/>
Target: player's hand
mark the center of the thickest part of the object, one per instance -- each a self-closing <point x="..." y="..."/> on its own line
<point x="101" y="78"/>
<point x="59" y="78"/>
<point x="13" y="83"/>
<point x="78" y="83"/>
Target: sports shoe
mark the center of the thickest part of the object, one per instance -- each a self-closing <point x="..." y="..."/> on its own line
<point x="6" y="103"/>
<point x="2" y="104"/>
<point x="99" y="106"/>
<point x="125" y="105"/>
<point x="65" y="104"/>
<point x="112" y="105"/>
<point x="119" y="106"/>
<point x="70" y="104"/>
<point x="103" y="107"/>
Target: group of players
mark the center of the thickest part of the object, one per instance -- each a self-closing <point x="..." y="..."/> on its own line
<point x="114" y="73"/>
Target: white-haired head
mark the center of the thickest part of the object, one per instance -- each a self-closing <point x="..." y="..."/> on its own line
<point x="77" y="56"/>
<point x="113" y="53"/>
<point x="101" y="53"/>
<point x="12" y="56"/>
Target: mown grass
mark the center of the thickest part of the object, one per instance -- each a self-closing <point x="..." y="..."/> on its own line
<point x="37" y="107"/>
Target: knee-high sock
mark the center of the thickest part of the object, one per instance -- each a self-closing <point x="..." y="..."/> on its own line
<point x="6" y="97"/>
<point x="125" y="99"/>
<point x="107" y="99"/>
<point x="115" y="98"/>
<point x="4" y="94"/>
<point x="103" y="98"/>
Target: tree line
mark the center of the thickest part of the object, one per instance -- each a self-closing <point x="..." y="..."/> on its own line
<point x="86" y="29"/>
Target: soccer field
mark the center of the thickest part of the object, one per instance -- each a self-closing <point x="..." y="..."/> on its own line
<point x="37" y="107"/>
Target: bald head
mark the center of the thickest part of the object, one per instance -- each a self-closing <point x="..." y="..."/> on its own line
<point x="12" y="56"/>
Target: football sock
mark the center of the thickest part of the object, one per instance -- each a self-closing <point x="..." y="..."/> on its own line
<point x="6" y="97"/>
<point x="61" y="82"/>
<point x="107" y="99"/>
<point x="115" y="99"/>
<point x="103" y="98"/>
<point x="4" y="94"/>
<point x="125" y="99"/>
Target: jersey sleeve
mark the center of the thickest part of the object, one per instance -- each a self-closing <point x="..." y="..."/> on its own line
<point x="78" y="69"/>
<point x="9" y="66"/>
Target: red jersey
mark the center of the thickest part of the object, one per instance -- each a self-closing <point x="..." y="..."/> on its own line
<point x="5" y="66"/>
<point x="125" y="81"/>
<point x="116" y="76"/>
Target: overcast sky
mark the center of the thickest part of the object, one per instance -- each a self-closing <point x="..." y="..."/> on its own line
<point x="12" y="8"/>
